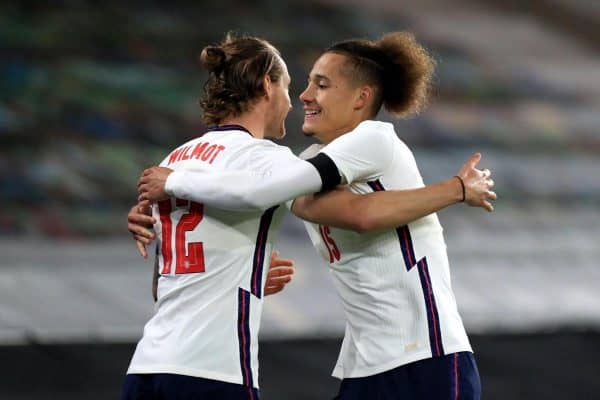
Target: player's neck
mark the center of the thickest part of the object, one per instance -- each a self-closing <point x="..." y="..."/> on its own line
<point x="250" y="121"/>
<point x="342" y="130"/>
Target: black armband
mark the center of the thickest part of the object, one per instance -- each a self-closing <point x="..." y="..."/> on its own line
<point x="330" y="175"/>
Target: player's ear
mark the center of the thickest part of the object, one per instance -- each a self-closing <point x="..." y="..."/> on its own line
<point x="363" y="97"/>
<point x="268" y="86"/>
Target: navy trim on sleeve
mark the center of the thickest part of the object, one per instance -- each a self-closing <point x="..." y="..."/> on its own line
<point x="330" y="175"/>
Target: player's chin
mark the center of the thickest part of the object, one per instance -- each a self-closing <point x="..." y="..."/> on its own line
<point x="278" y="135"/>
<point x="306" y="130"/>
<point x="282" y="132"/>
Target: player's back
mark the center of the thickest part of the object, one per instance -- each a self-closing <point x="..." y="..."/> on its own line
<point x="394" y="285"/>
<point x="211" y="272"/>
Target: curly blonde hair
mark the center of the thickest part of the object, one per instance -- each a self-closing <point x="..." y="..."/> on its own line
<point x="397" y="66"/>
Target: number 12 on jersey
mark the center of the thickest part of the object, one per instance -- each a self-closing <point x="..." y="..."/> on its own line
<point x="189" y="257"/>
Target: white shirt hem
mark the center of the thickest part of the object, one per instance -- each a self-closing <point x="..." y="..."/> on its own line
<point x="198" y="373"/>
<point x="362" y="372"/>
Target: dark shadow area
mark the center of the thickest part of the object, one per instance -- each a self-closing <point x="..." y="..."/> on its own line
<point x="536" y="366"/>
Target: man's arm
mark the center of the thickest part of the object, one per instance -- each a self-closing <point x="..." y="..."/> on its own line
<point x="242" y="190"/>
<point x="387" y="210"/>
<point x="275" y="175"/>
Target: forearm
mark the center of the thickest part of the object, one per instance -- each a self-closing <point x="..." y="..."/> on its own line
<point x="379" y="210"/>
<point x="386" y="210"/>
<point x="248" y="190"/>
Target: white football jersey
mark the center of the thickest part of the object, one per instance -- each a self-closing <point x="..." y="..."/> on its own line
<point x="213" y="264"/>
<point x="395" y="285"/>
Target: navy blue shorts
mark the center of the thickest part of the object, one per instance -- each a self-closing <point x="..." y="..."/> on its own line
<point x="181" y="387"/>
<point x="450" y="377"/>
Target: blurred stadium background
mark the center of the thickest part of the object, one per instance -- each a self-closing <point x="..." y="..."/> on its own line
<point x="93" y="92"/>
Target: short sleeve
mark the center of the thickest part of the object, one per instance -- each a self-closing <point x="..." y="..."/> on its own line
<point x="364" y="153"/>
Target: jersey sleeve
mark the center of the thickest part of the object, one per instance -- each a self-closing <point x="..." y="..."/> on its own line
<point x="273" y="176"/>
<point x="362" y="154"/>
